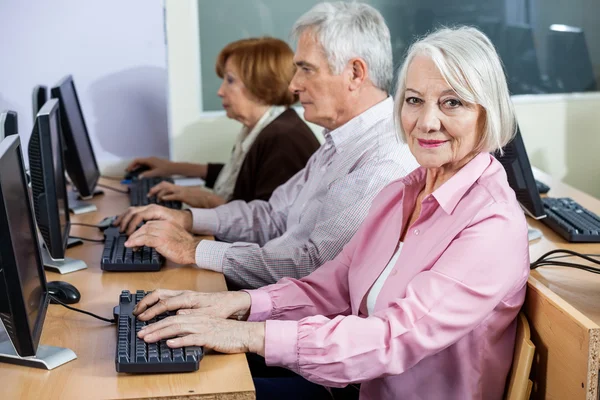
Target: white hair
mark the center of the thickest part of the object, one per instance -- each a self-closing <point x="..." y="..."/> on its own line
<point x="348" y="30"/>
<point x="469" y="63"/>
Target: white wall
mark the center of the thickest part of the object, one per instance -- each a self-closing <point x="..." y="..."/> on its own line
<point x="562" y="136"/>
<point x="195" y="136"/>
<point x="116" y="52"/>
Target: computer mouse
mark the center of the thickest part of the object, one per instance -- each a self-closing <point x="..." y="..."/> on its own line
<point x="106" y="223"/>
<point x="64" y="292"/>
<point x="133" y="174"/>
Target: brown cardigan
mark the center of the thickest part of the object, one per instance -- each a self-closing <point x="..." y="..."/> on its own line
<point x="280" y="150"/>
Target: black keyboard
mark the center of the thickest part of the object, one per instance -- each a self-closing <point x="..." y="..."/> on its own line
<point x="138" y="357"/>
<point x="138" y="193"/>
<point x="570" y="220"/>
<point x="116" y="257"/>
<point x="542" y="187"/>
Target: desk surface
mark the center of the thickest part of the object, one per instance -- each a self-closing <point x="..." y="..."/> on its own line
<point x="562" y="306"/>
<point x="92" y="375"/>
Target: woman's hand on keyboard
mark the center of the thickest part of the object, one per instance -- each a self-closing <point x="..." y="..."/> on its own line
<point x="156" y="167"/>
<point x="134" y="216"/>
<point x="223" y="335"/>
<point x="221" y="304"/>
<point x="194" y="196"/>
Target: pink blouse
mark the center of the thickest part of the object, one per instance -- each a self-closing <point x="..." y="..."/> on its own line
<point x="444" y="322"/>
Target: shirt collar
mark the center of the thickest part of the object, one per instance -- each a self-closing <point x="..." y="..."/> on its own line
<point x="451" y="192"/>
<point x="248" y="137"/>
<point x="345" y="135"/>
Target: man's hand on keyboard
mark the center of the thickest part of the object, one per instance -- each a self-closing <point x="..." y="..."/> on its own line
<point x="194" y="196"/>
<point x="168" y="238"/>
<point x="134" y="216"/>
<point x="223" y="335"/>
<point x="221" y="304"/>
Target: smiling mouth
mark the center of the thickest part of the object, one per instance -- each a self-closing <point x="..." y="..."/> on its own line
<point x="430" y="144"/>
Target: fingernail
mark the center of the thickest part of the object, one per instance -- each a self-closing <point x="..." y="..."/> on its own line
<point x="170" y="342"/>
<point x="126" y="244"/>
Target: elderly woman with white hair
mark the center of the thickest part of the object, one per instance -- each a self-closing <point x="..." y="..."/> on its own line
<point x="421" y="303"/>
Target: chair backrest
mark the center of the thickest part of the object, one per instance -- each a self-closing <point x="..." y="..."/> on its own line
<point x="519" y="386"/>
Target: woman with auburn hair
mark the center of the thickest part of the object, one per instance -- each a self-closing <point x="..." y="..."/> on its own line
<point x="274" y="142"/>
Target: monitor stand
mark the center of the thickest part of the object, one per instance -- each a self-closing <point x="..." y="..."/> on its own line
<point x="46" y="357"/>
<point x="63" y="266"/>
<point x="76" y="206"/>
<point x="72" y="242"/>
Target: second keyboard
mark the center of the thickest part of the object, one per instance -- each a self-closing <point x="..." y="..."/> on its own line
<point x="116" y="257"/>
<point x="138" y="193"/>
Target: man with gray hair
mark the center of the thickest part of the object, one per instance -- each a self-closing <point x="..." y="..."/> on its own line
<point x="344" y="73"/>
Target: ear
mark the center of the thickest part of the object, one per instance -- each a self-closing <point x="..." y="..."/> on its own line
<point x="358" y="73"/>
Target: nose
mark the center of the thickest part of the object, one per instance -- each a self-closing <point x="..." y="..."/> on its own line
<point x="294" y="85"/>
<point x="429" y="120"/>
<point x="221" y="92"/>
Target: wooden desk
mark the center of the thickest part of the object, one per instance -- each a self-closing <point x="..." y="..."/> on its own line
<point x="92" y="375"/>
<point x="563" y="308"/>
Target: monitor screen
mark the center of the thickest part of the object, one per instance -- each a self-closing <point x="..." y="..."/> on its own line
<point x="80" y="160"/>
<point x="8" y="124"/>
<point x="520" y="177"/>
<point x="26" y="296"/>
<point x="59" y="173"/>
<point x="39" y="97"/>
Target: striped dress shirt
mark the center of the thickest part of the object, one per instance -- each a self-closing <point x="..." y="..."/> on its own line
<point x="308" y="220"/>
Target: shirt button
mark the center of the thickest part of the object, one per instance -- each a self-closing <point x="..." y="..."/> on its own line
<point x="416" y="232"/>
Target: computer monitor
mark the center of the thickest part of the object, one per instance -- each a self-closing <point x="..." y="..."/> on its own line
<point x="519" y="56"/>
<point x="48" y="189"/>
<point x="569" y="64"/>
<point x="8" y="124"/>
<point x="520" y="177"/>
<point x="80" y="161"/>
<point x="48" y="181"/>
<point x="23" y="296"/>
<point x="39" y="97"/>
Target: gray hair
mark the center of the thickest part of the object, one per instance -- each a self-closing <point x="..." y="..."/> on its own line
<point x="348" y="30"/>
<point x="468" y="61"/>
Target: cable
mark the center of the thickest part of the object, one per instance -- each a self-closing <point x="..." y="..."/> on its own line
<point x="87" y="239"/>
<point x="82" y="224"/>
<point x="545" y="260"/>
<point x="112" y="321"/>
<point x="112" y="178"/>
<point x="112" y="188"/>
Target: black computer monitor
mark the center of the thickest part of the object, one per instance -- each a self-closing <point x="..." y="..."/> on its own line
<point x="39" y="97"/>
<point x="23" y="293"/>
<point x="48" y="180"/>
<point x="519" y="55"/>
<point x="520" y="177"/>
<point x="569" y="64"/>
<point x="8" y="124"/>
<point x="80" y="161"/>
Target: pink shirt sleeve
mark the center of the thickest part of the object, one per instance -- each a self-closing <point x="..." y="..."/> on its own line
<point x="440" y="306"/>
<point x="324" y="292"/>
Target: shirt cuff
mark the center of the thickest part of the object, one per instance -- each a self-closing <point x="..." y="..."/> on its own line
<point x="261" y="305"/>
<point x="204" y="221"/>
<point x="210" y="255"/>
<point x="281" y="344"/>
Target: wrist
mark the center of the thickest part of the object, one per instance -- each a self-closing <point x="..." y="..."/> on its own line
<point x="243" y="303"/>
<point x="188" y="220"/>
<point x="256" y="337"/>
